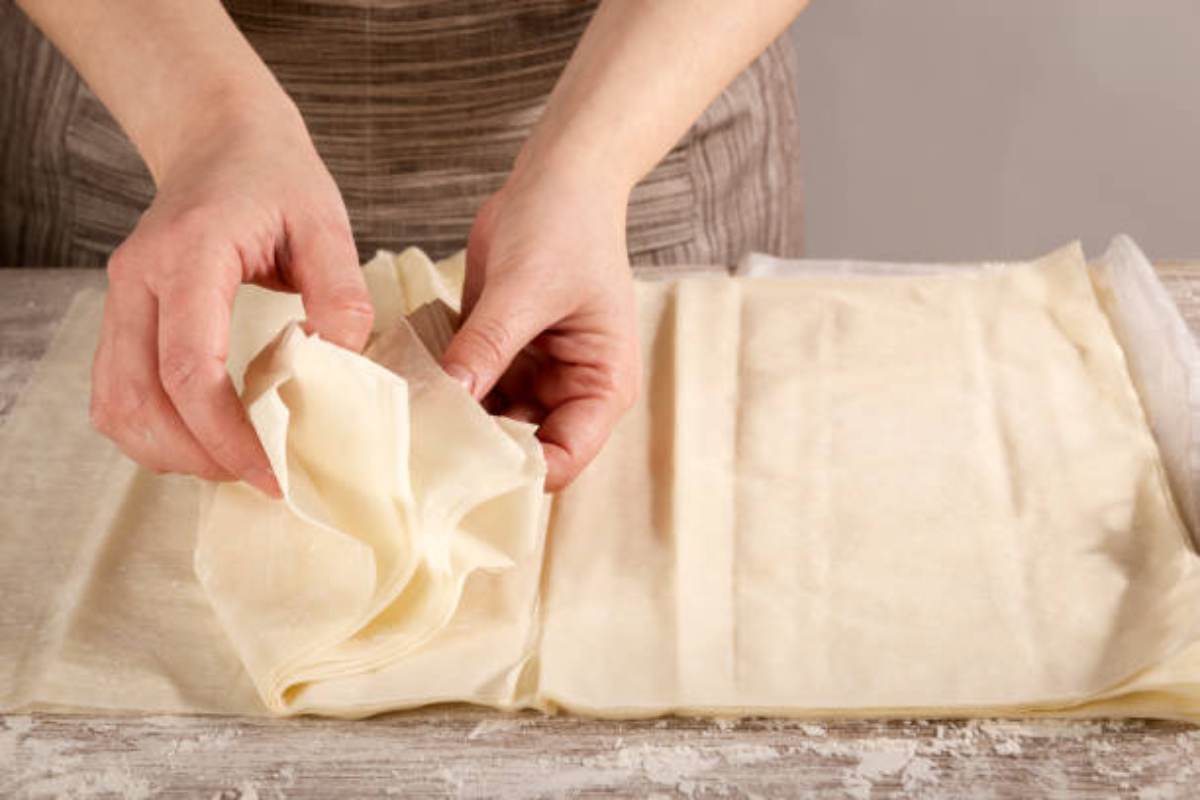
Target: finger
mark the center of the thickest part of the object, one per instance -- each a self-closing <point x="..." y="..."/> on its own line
<point x="525" y="412"/>
<point x="558" y="382"/>
<point x="515" y="386"/>
<point x="128" y="402"/>
<point x="323" y="264"/>
<point x="573" y="433"/>
<point x="193" y="341"/>
<point x="499" y="325"/>
<point x="517" y="382"/>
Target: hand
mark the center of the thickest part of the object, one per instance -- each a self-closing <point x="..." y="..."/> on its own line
<point x="549" y="314"/>
<point x="248" y="201"/>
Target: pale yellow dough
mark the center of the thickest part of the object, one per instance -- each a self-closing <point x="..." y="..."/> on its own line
<point x="884" y="495"/>
<point x="835" y="496"/>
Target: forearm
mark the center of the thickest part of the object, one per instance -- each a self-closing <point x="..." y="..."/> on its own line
<point x="641" y="75"/>
<point x="164" y="68"/>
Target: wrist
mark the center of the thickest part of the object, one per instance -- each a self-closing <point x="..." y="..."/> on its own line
<point x="215" y="113"/>
<point x="561" y="167"/>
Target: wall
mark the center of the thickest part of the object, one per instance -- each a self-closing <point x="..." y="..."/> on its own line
<point x="965" y="130"/>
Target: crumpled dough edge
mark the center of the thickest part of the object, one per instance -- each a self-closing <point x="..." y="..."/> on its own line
<point x="266" y="378"/>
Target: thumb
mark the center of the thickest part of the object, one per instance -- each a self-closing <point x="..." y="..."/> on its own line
<point x="325" y="270"/>
<point x="498" y="326"/>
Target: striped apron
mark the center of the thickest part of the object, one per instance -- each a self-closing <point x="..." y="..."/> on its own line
<point x="418" y="108"/>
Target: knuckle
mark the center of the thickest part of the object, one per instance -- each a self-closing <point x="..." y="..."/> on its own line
<point x="189" y="224"/>
<point x="123" y="263"/>
<point x="148" y="255"/>
<point x="604" y="380"/>
<point x="181" y="370"/>
<point x="225" y="448"/>
<point x="488" y="340"/>
<point x="195" y="229"/>
<point x="135" y="404"/>
<point x="123" y="413"/>
<point x="337" y="225"/>
<point x="354" y="303"/>
<point x="330" y="223"/>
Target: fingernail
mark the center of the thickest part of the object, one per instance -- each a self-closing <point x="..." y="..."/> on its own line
<point x="463" y="376"/>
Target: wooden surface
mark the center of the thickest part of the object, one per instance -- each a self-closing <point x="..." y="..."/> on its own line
<point x="465" y="752"/>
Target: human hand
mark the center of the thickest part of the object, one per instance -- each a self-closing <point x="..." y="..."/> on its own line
<point x="549" y="330"/>
<point x="248" y="200"/>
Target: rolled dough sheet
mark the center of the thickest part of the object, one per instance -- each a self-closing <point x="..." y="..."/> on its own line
<point x="836" y="496"/>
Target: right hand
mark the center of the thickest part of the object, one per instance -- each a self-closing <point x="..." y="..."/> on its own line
<point x="249" y="201"/>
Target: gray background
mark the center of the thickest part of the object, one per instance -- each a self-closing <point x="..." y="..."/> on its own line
<point x="959" y="129"/>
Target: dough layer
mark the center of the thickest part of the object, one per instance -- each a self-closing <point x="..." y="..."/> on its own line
<point x="922" y="495"/>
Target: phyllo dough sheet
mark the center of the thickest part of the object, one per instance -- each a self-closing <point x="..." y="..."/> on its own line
<point x="835" y="496"/>
<point x="350" y="594"/>
<point x="932" y="494"/>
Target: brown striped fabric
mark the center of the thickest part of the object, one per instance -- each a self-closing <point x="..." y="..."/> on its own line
<point x="418" y="107"/>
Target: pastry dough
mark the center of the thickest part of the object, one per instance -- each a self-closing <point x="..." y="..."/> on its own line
<point x="836" y="496"/>
<point x="872" y="496"/>
<point x="396" y="490"/>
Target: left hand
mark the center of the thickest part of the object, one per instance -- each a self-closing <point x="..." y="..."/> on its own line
<point x="549" y="330"/>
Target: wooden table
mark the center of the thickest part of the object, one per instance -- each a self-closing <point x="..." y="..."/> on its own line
<point x="460" y="751"/>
